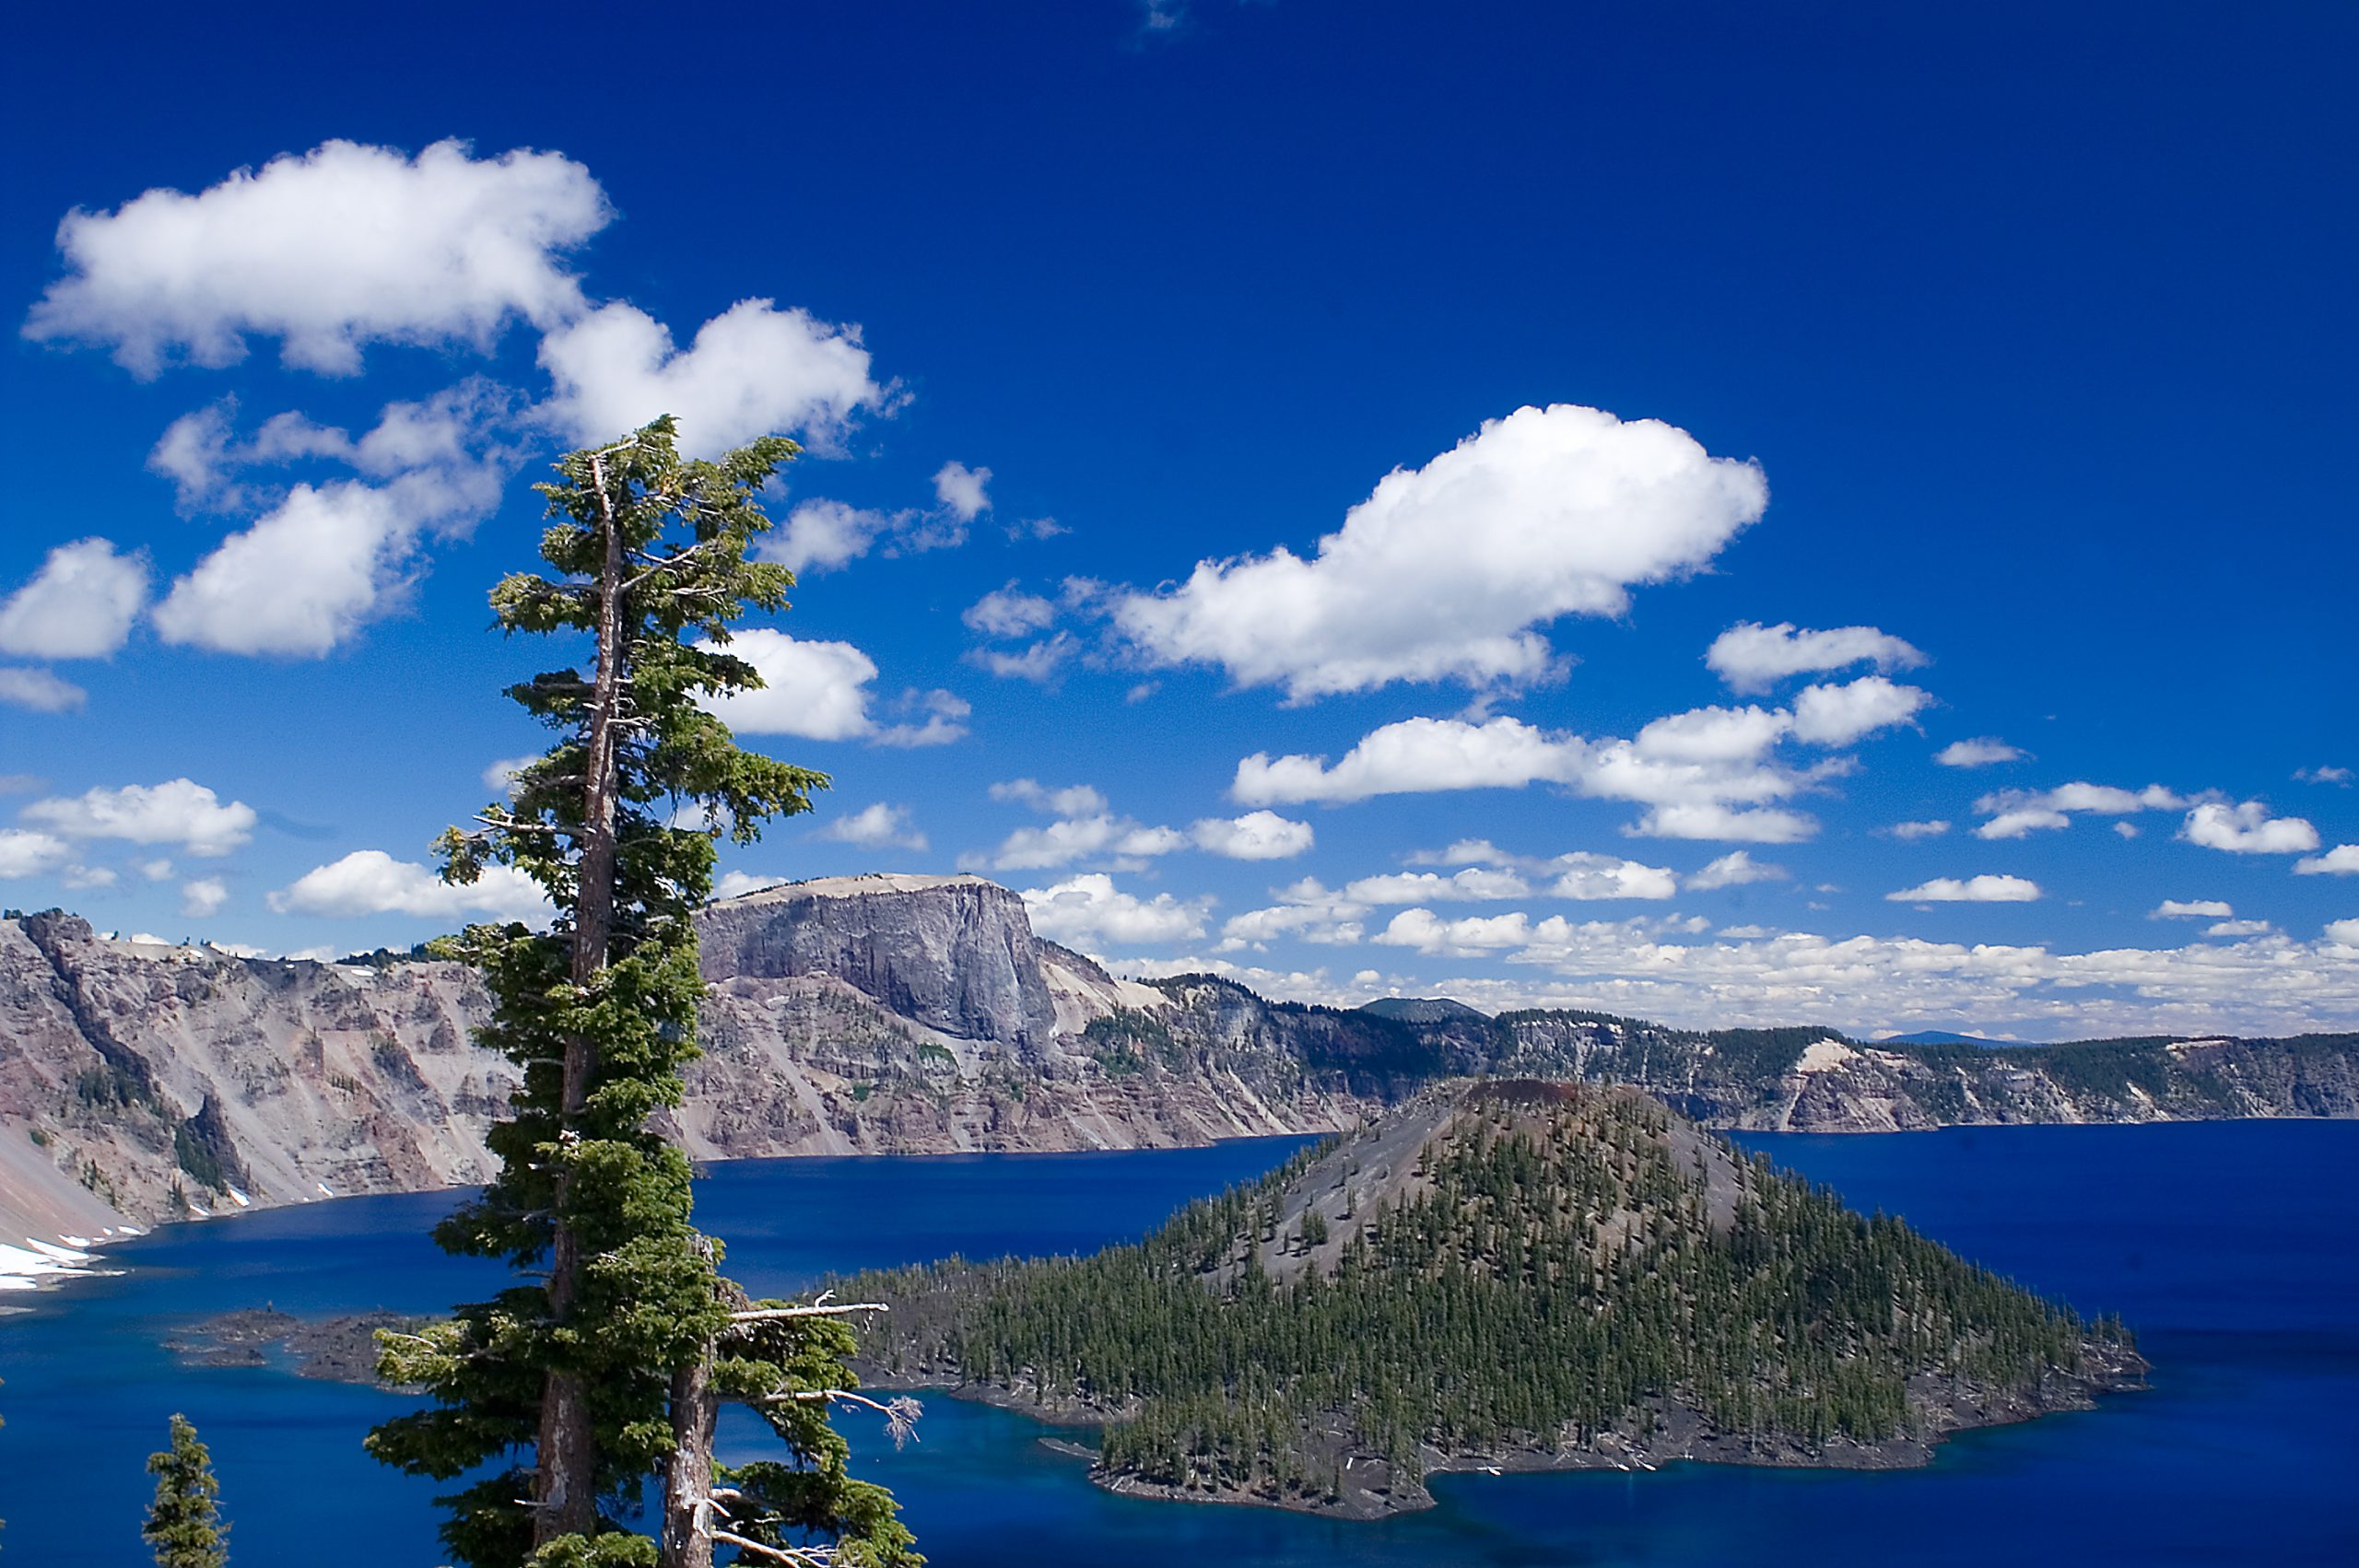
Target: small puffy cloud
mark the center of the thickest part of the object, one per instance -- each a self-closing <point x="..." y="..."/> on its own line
<point x="2021" y="822"/>
<point x="1546" y="513"/>
<point x="501" y="777"/>
<point x="369" y="881"/>
<point x="1073" y="800"/>
<point x="1698" y="771"/>
<point x="2346" y="932"/>
<point x="959" y="490"/>
<point x="1009" y="613"/>
<point x="1973" y="890"/>
<point x="40" y="691"/>
<point x="753" y="370"/>
<point x="1475" y="884"/>
<point x="1472" y="934"/>
<point x="80" y="877"/>
<point x="2239" y="929"/>
<point x="26" y="853"/>
<point x="2247" y="829"/>
<point x="2341" y="860"/>
<point x="1714" y="734"/>
<point x="2016" y="814"/>
<point x="1837" y="716"/>
<point x="158" y="869"/>
<point x="736" y="884"/>
<point x="816" y="690"/>
<point x="1735" y="869"/>
<point x="1068" y="839"/>
<point x="819" y="534"/>
<point x="1707" y="819"/>
<point x="931" y="718"/>
<point x="2190" y="909"/>
<point x="1584" y="877"/>
<point x="1085" y="829"/>
<point x="1981" y="751"/>
<point x="176" y="811"/>
<point x="877" y="827"/>
<point x="1752" y="658"/>
<point x="1256" y="836"/>
<point x="1037" y="661"/>
<point x="1090" y="913"/>
<point x="819" y="691"/>
<point x="2341" y="776"/>
<point x="1908" y="830"/>
<point x="203" y="898"/>
<point x="325" y="559"/>
<point x="1415" y="756"/>
<point x="338" y="248"/>
<point x="303" y="578"/>
<point x="79" y="605"/>
<point x="2125" y="829"/>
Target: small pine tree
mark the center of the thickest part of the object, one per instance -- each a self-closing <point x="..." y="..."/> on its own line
<point x="184" y="1525"/>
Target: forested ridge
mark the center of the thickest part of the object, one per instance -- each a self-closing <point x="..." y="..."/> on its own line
<point x="1535" y="1273"/>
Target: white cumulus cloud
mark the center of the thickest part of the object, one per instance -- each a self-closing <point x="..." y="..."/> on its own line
<point x="959" y="490"/>
<point x="26" y="853"/>
<point x="753" y="370"/>
<point x="1981" y="751"/>
<point x="176" y="811"/>
<point x="79" y="605"/>
<point x="2190" y="909"/>
<point x="819" y="691"/>
<point x="2247" y="829"/>
<point x="877" y="827"/>
<point x="1256" y="836"/>
<point x="1837" y="716"/>
<point x="1908" y="830"/>
<point x="1090" y="913"/>
<point x="1009" y="613"/>
<point x="1752" y="658"/>
<point x="328" y="252"/>
<point x="1446" y="572"/>
<point x="1985" y="889"/>
<point x="40" y="691"/>
<point x="1735" y="868"/>
<point x="2341" y="860"/>
<point x="369" y="881"/>
<point x="203" y="898"/>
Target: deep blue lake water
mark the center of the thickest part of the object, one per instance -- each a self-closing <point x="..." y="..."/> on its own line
<point x="2232" y="1247"/>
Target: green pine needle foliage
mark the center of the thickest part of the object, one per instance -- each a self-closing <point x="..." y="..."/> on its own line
<point x="184" y="1523"/>
<point x="649" y="1297"/>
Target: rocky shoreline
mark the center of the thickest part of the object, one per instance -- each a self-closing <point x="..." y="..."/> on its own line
<point x="334" y="1350"/>
<point x="1373" y="1491"/>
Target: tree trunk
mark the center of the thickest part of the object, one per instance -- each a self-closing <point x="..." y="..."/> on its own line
<point x="687" y="1539"/>
<point x="565" y="1486"/>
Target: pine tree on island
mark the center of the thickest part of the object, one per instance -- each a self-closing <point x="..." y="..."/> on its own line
<point x="610" y="1366"/>
<point x="183" y="1523"/>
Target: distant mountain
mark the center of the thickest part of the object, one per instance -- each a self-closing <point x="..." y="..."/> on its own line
<point x="1422" y="1010"/>
<point x="908" y="1015"/>
<point x="1946" y="1038"/>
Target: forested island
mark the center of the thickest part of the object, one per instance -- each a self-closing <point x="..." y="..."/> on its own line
<point x="1508" y="1276"/>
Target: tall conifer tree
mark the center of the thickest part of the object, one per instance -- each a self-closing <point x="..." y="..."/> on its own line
<point x="184" y="1523"/>
<point x="611" y="1367"/>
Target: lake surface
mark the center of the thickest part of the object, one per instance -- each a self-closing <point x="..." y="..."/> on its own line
<point x="2233" y="1248"/>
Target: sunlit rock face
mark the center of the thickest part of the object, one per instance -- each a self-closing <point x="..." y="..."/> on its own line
<point x="955" y="954"/>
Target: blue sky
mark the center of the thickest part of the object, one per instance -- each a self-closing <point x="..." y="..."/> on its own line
<point x="1517" y="501"/>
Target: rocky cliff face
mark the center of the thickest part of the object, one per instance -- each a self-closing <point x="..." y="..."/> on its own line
<point x="901" y="1015"/>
